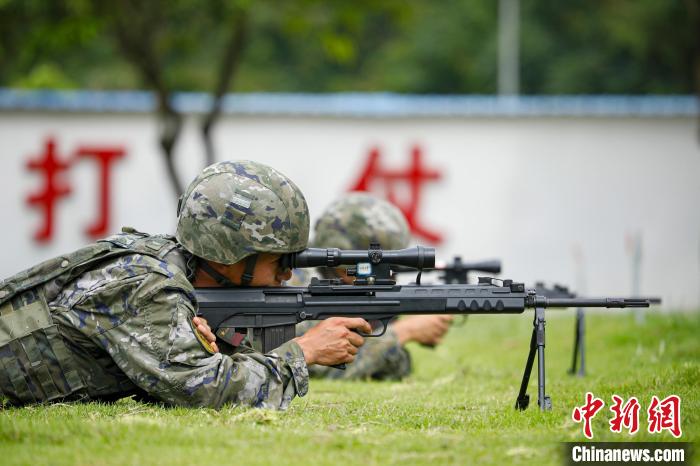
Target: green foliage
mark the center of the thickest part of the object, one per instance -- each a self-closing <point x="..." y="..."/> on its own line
<point x="447" y="48"/>
<point x="422" y="46"/>
<point x="315" y="45"/>
<point x="33" y="34"/>
<point x="609" y="46"/>
<point x="45" y="75"/>
<point x="456" y="409"/>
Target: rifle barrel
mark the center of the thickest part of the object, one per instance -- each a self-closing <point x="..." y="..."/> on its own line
<point x="598" y="302"/>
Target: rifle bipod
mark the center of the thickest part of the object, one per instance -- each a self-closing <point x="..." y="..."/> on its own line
<point x="536" y="346"/>
<point x="579" y="348"/>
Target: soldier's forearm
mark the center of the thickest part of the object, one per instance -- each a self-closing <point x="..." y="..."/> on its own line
<point x="265" y="380"/>
<point x="294" y="369"/>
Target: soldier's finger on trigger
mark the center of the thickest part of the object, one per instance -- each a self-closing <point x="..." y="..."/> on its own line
<point x="356" y="339"/>
<point x="358" y="323"/>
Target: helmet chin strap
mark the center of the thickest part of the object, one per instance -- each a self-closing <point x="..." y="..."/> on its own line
<point x="216" y="275"/>
<point x="247" y="276"/>
<point x="222" y="280"/>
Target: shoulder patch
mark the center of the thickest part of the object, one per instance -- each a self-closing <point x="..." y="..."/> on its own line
<point x="203" y="341"/>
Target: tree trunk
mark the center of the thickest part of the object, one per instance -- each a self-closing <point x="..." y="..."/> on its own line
<point x="229" y="64"/>
<point x="136" y="26"/>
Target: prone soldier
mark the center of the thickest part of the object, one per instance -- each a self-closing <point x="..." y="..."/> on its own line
<point x="354" y="222"/>
<point x="118" y="317"/>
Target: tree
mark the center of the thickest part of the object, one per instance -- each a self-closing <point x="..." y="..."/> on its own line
<point x="152" y="34"/>
<point x="608" y="47"/>
<point x="449" y="47"/>
<point x="34" y="35"/>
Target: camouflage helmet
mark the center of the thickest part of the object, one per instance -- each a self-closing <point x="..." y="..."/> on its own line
<point x="235" y="209"/>
<point x="359" y="219"/>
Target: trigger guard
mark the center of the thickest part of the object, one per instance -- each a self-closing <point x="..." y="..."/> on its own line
<point x="385" y="325"/>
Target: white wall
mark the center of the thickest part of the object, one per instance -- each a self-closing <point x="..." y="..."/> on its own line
<point x="525" y="190"/>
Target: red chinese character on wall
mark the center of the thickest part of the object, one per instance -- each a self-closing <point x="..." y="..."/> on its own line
<point x="105" y="157"/>
<point x="50" y="166"/>
<point x="625" y="416"/>
<point x="587" y="412"/>
<point x="415" y="176"/>
<point x="665" y="415"/>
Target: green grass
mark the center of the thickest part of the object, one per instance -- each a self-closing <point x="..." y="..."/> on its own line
<point x="456" y="409"/>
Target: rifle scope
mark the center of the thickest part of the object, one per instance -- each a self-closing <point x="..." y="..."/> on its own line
<point x="418" y="257"/>
<point x="489" y="266"/>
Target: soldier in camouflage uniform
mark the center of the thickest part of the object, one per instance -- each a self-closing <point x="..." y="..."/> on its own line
<point x="118" y="317"/>
<point x="354" y="222"/>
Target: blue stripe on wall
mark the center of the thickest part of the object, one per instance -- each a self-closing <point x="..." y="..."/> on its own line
<point x="359" y="105"/>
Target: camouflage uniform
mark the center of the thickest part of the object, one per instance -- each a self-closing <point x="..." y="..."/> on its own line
<point x="115" y="318"/>
<point x="352" y="223"/>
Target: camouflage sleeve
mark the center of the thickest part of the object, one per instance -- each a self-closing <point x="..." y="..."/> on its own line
<point x="160" y="351"/>
<point x="381" y="358"/>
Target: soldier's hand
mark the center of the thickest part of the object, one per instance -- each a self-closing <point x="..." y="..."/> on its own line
<point x="206" y="332"/>
<point x="333" y="341"/>
<point x="426" y="330"/>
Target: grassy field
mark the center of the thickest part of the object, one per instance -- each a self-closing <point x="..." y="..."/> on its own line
<point x="456" y="409"/>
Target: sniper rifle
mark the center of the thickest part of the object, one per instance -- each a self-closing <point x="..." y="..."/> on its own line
<point x="269" y="314"/>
